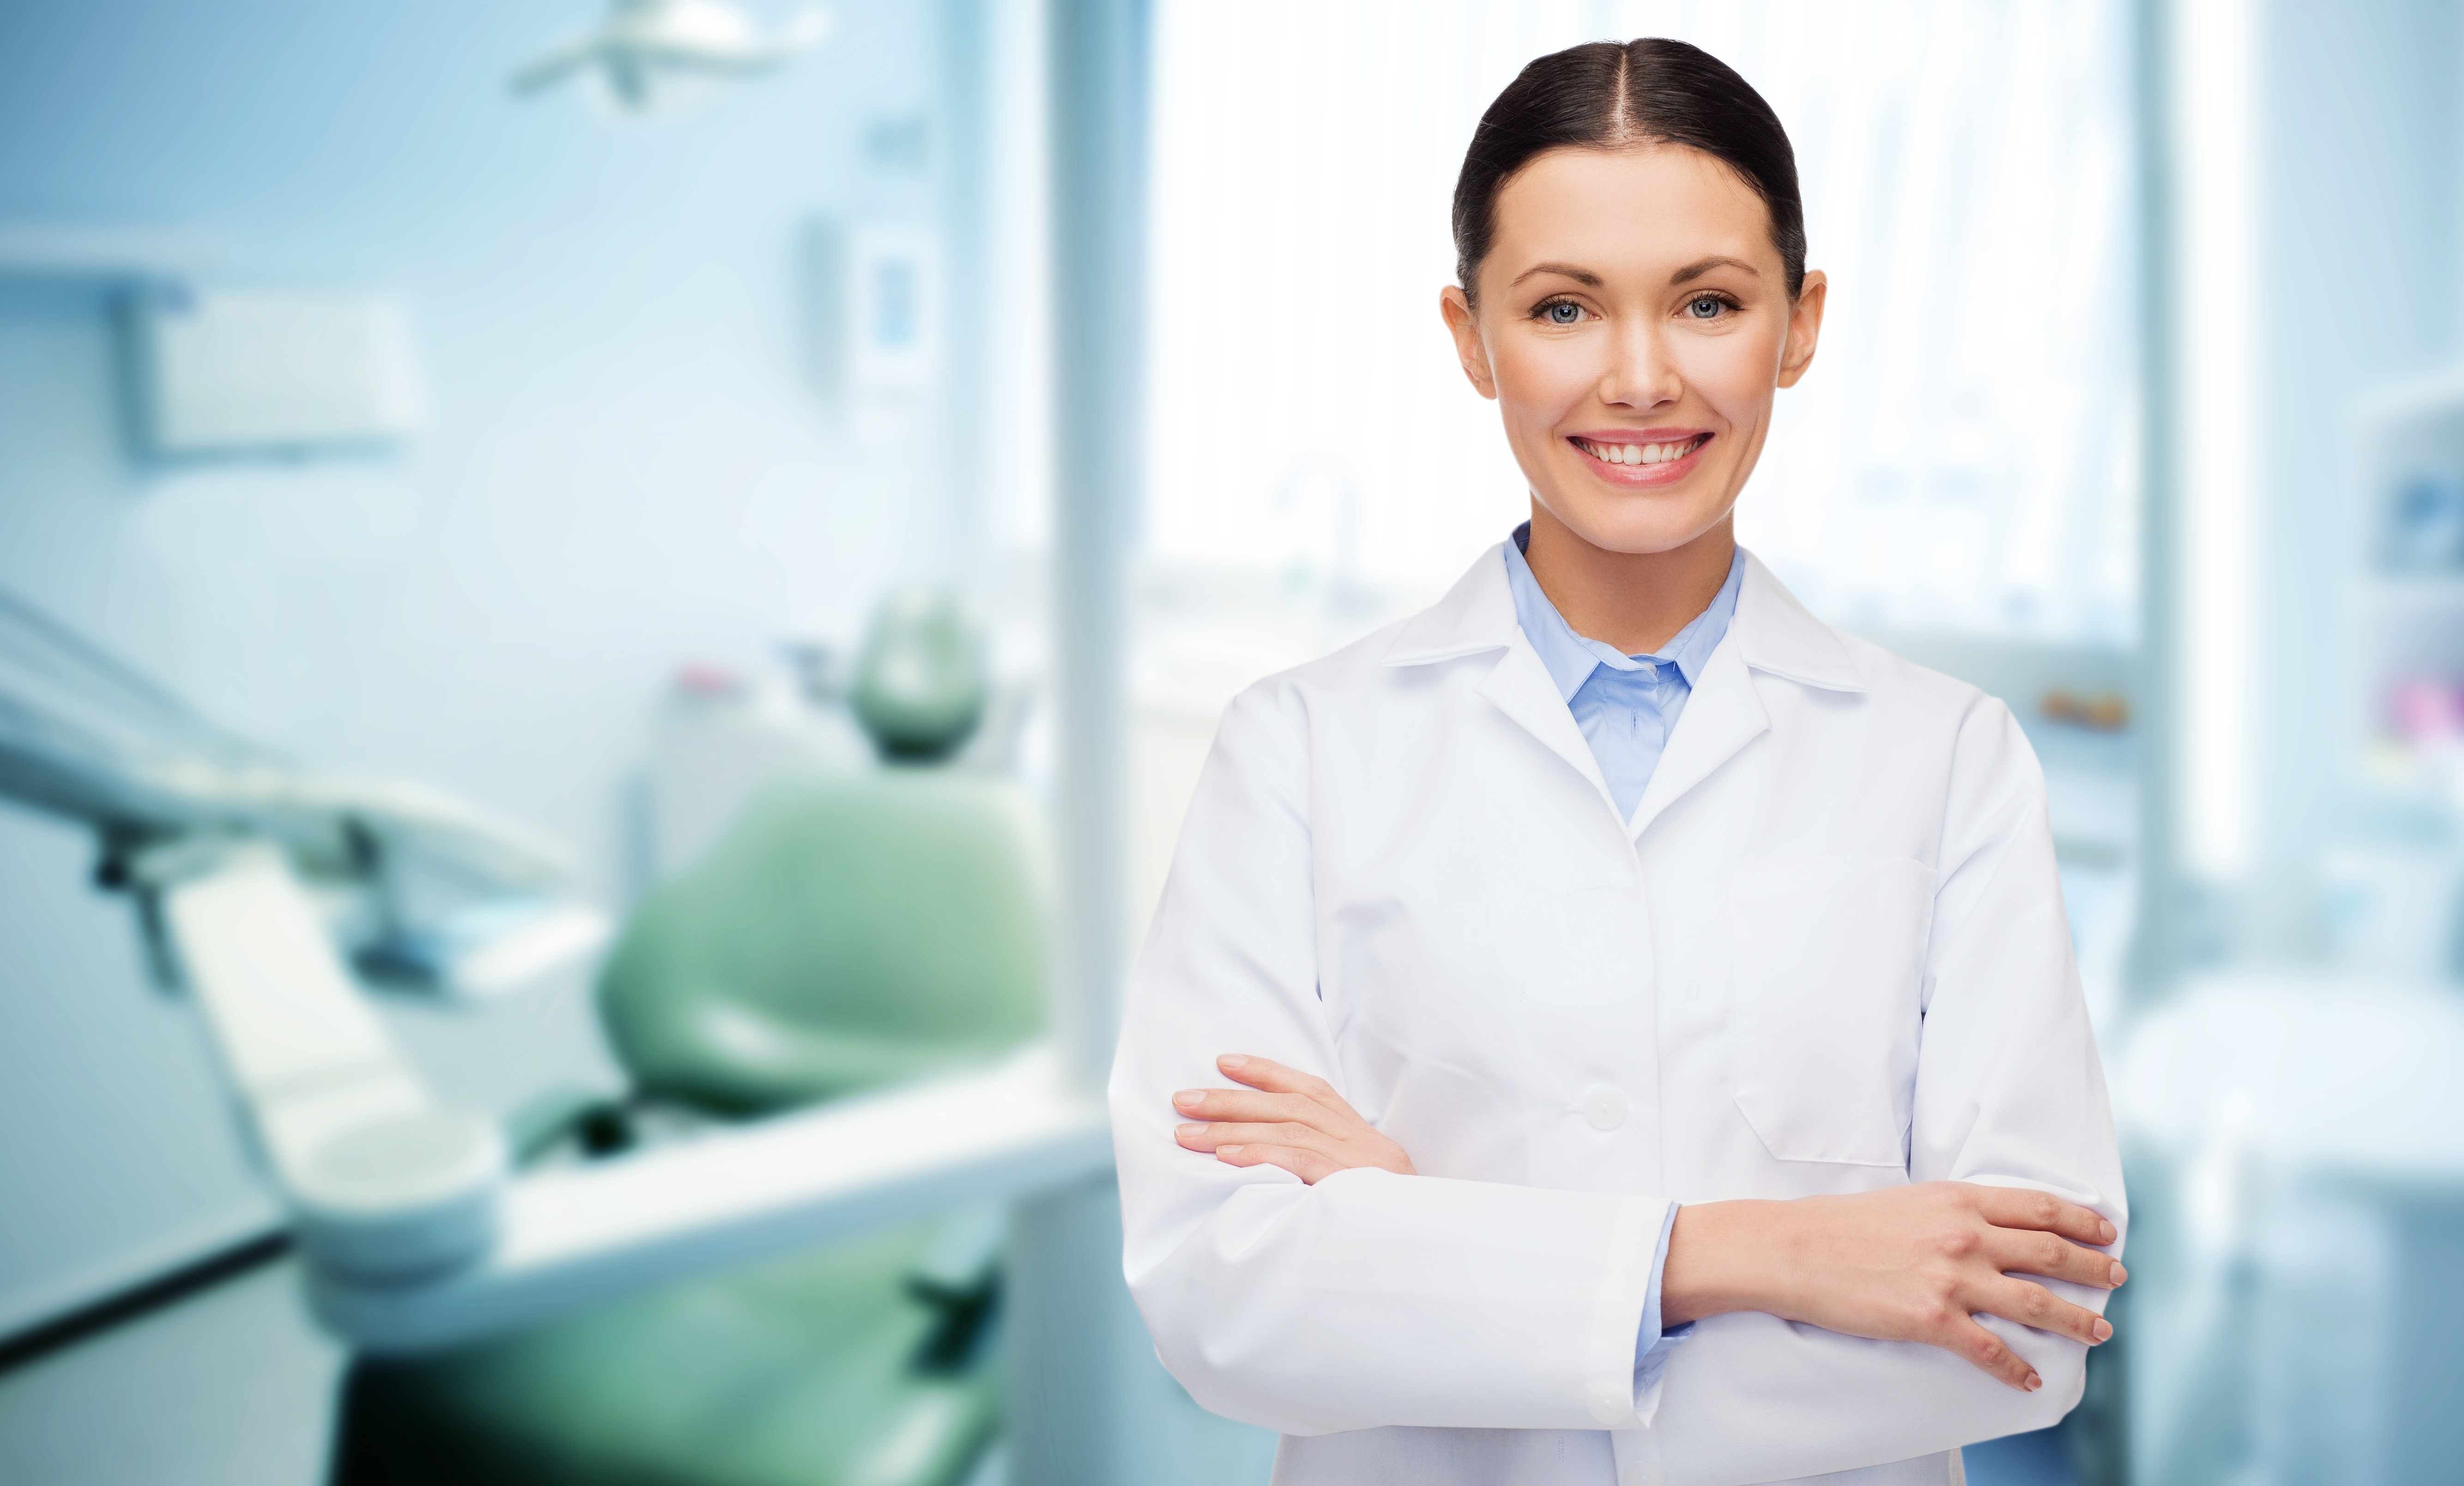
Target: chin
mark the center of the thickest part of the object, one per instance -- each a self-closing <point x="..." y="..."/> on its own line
<point x="1634" y="533"/>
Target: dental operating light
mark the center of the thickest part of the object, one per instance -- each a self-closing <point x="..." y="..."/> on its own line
<point x="646" y="46"/>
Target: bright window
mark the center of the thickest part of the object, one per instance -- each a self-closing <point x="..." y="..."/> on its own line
<point x="1963" y="454"/>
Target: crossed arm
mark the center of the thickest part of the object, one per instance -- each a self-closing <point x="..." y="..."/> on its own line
<point x="1914" y="1263"/>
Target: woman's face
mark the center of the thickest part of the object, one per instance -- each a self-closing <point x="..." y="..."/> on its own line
<point x="1634" y="323"/>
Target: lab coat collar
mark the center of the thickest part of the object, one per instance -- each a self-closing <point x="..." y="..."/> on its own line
<point x="1771" y="631"/>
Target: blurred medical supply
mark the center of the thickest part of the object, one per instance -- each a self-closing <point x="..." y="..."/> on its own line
<point x="2425" y="529"/>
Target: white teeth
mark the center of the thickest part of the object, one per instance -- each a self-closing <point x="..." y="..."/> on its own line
<point x="1639" y="453"/>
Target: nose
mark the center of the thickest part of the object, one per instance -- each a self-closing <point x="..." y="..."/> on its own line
<point x="1640" y="374"/>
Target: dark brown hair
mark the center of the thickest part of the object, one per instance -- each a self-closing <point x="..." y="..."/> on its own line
<point x="1606" y="96"/>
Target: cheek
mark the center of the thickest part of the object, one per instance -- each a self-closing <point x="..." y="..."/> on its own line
<point x="1735" y="374"/>
<point x="1538" y="383"/>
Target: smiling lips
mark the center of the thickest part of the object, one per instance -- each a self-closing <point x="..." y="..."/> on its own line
<point x="1666" y="452"/>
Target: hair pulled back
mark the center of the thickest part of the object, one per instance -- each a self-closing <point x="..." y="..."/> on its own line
<point x="1606" y="96"/>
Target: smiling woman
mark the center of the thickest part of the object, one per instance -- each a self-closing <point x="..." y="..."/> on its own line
<point x="1614" y="955"/>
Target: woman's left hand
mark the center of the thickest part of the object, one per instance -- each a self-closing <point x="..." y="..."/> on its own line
<point x="1292" y="1120"/>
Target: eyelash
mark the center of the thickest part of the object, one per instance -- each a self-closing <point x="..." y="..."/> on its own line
<point x="1540" y="311"/>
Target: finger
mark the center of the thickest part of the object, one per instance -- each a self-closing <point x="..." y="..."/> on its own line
<point x="1246" y="1104"/>
<point x="1262" y="1072"/>
<point x="2031" y="1304"/>
<point x="2022" y="1251"/>
<point x="1986" y="1351"/>
<point x="1307" y="1165"/>
<point x="1214" y="1137"/>
<point x="2007" y="1207"/>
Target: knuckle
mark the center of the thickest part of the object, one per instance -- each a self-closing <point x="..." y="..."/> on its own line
<point x="2047" y="1208"/>
<point x="2052" y="1253"/>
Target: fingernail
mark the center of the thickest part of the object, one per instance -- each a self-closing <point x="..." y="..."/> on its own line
<point x="1189" y="1099"/>
<point x="1230" y="1060"/>
<point x="2119" y="1273"/>
<point x="1228" y="1150"/>
<point x="2035" y="1382"/>
<point x="2104" y="1232"/>
<point x="2103" y="1331"/>
<point x="1185" y="1132"/>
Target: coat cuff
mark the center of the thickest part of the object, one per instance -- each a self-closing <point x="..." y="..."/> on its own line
<point x="1626" y="1289"/>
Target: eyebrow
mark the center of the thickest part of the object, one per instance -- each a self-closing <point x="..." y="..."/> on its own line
<point x="1696" y="270"/>
<point x="1591" y="281"/>
<point x="1581" y="276"/>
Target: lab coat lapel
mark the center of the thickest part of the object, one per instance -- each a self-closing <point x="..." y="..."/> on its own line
<point x="1477" y="616"/>
<point x="1522" y="688"/>
<point x="1771" y="632"/>
<point x="1721" y="718"/>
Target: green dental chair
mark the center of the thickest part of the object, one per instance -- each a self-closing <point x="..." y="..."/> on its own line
<point x="849" y="932"/>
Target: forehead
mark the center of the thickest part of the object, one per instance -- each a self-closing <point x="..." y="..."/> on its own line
<point x="1643" y="212"/>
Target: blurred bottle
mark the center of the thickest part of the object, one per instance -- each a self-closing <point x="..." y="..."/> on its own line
<point x="923" y="679"/>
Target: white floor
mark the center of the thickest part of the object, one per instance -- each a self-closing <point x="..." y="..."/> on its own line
<point x="232" y="1385"/>
<point x="234" y="1388"/>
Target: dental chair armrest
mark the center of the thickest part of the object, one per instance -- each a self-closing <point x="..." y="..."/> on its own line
<point x="962" y="1263"/>
<point x="598" y="1123"/>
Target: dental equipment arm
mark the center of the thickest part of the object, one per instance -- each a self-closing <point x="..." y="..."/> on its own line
<point x="416" y="1230"/>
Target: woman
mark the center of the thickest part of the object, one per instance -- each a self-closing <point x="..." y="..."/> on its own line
<point x="1659" y="1049"/>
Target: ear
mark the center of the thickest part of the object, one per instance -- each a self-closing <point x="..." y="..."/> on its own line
<point x="1804" y="328"/>
<point x="1465" y="327"/>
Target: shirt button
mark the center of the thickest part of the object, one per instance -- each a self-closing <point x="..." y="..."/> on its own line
<point x="1605" y="1108"/>
<point x="1644" y="1473"/>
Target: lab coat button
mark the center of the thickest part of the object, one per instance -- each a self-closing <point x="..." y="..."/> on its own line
<point x="1644" y="1473"/>
<point x="1604" y="1108"/>
<point x="1612" y="1408"/>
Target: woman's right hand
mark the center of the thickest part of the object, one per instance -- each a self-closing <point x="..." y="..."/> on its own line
<point x="1906" y="1264"/>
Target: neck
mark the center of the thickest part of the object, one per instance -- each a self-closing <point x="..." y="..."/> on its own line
<point x="1636" y="601"/>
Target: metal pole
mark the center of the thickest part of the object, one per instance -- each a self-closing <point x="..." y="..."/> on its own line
<point x="1097" y="54"/>
<point x="1083" y="1380"/>
<point x="2156" y="946"/>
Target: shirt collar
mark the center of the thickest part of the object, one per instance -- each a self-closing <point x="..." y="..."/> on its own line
<point x="1571" y="658"/>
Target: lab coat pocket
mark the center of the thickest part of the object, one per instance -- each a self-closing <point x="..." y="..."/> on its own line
<point x="1829" y="955"/>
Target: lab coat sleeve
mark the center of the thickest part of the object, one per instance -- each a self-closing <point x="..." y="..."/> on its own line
<point x="2009" y="1092"/>
<point x="1369" y="1299"/>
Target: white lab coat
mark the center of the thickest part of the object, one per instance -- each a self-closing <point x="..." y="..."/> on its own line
<point x="1827" y="955"/>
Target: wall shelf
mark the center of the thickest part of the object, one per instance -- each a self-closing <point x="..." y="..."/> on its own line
<point x="106" y="255"/>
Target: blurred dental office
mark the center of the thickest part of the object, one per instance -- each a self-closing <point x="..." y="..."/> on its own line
<point x="608" y="608"/>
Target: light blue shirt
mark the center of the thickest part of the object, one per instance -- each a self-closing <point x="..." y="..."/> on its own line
<point x="1626" y="706"/>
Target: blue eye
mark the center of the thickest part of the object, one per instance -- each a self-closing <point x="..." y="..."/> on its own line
<point x="1703" y="306"/>
<point x="1565" y="312"/>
